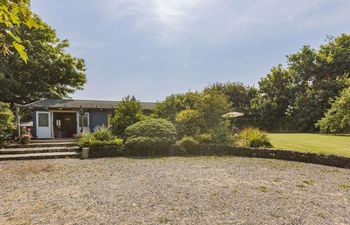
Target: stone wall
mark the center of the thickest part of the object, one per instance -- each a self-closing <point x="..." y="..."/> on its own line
<point x="227" y="150"/>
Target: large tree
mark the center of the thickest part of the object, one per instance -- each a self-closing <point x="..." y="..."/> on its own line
<point x="238" y="94"/>
<point x="337" y="118"/>
<point x="318" y="76"/>
<point x="296" y="97"/>
<point x="175" y="103"/>
<point x="50" y="71"/>
<point x="276" y="93"/>
<point x="14" y="13"/>
<point x="196" y="113"/>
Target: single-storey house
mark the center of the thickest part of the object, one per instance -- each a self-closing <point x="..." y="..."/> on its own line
<point x="66" y="118"/>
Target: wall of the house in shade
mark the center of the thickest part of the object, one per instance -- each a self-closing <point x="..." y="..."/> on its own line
<point x="98" y="118"/>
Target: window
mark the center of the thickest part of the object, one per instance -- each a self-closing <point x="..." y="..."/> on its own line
<point x="58" y="123"/>
<point x="43" y="119"/>
<point x="84" y="119"/>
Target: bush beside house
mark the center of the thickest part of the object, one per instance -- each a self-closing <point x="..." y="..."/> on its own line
<point x="101" y="143"/>
<point x="7" y="125"/>
<point x="128" y="112"/>
<point x="150" y="137"/>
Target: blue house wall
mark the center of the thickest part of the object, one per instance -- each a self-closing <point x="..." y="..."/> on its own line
<point x="98" y="118"/>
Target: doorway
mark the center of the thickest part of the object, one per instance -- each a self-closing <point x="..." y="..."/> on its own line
<point x="64" y="124"/>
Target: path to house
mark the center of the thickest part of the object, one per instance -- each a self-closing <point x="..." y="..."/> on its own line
<point x="203" y="190"/>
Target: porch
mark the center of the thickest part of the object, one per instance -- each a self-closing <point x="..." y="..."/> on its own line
<point x="57" y="125"/>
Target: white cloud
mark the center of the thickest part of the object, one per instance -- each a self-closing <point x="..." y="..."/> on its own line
<point x="219" y="19"/>
<point x="166" y="19"/>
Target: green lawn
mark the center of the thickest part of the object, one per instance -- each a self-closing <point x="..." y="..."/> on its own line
<point x="314" y="143"/>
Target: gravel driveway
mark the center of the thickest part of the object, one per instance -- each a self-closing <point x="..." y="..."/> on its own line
<point x="202" y="190"/>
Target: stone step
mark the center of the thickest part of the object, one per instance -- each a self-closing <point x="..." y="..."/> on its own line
<point x="49" y="155"/>
<point x="55" y="140"/>
<point x="42" y="144"/>
<point x="8" y="151"/>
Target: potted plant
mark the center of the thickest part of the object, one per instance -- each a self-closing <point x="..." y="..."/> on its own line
<point x="25" y="137"/>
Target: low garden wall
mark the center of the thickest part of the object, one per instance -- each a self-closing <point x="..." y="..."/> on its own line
<point x="226" y="150"/>
<point x="99" y="151"/>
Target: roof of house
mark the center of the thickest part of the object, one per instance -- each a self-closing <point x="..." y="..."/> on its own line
<point x="77" y="104"/>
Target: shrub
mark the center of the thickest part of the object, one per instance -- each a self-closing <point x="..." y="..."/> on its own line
<point x="128" y="112"/>
<point x="109" y="148"/>
<point x="222" y="132"/>
<point x="253" y="137"/>
<point x="101" y="137"/>
<point x="194" y="112"/>
<point x="149" y="137"/>
<point x="188" y="145"/>
<point x="337" y="118"/>
<point x="205" y="138"/>
<point x="6" y="123"/>
<point x="85" y="139"/>
<point x="115" y="141"/>
<point x="187" y="122"/>
<point x="175" y="103"/>
<point x="102" y="133"/>
<point x="213" y="105"/>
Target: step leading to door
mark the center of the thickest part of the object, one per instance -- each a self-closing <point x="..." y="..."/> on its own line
<point x="48" y="155"/>
<point x="39" y="150"/>
<point x="42" y="144"/>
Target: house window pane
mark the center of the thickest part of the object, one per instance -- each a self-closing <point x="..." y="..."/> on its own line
<point x="84" y="120"/>
<point x="43" y="119"/>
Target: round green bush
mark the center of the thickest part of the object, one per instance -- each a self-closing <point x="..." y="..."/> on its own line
<point x="150" y="137"/>
<point x="188" y="145"/>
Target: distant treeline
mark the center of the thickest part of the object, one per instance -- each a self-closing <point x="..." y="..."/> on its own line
<point x="295" y="98"/>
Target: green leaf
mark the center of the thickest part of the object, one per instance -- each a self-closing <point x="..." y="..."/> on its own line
<point x="14" y="16"/>
<point x="17" y="39"/>
<point x="21" y="51"/>
<point x="31" y="23"/>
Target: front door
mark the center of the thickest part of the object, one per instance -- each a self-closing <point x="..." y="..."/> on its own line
<point x="43" y="124"/>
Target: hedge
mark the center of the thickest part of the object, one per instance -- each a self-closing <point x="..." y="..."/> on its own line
<point x="227" y="150"/>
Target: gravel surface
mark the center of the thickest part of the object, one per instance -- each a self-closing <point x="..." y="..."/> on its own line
<point x="202" y="190"/>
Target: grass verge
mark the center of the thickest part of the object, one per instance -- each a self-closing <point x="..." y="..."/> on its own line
<point x="313" y="143"/>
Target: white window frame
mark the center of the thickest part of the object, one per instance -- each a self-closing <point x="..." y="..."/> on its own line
<point x="85" y="129"/>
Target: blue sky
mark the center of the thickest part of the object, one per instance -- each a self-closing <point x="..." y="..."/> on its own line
<point x="152" y="48"/>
